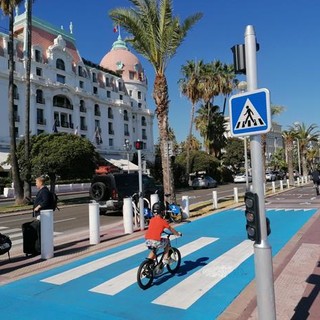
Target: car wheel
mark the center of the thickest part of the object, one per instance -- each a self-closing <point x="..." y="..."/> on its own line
<point x="98" y="191"/>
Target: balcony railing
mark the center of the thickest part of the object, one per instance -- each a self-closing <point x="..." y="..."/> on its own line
<point x="41" y="121"/>
<point x="40" y="100"/>
<point x="83" y="127"/>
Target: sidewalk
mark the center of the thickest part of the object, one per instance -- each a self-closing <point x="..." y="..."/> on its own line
<point x="296" y="269"/>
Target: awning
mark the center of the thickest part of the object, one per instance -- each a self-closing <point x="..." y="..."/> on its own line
<point x="123" y="164"/>
<point x="3" y="158"/>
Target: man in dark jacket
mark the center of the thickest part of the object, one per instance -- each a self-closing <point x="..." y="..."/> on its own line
<point x="316" y="179"/>
<point x="44" y="198"/>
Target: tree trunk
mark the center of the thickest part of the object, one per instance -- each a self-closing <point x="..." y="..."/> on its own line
<point x="18" y="189"/>
<point x="161" y="98"/>
<point x="189" y="140"/>
<point x="27" y="178"/>
<point x="290" y="162"/>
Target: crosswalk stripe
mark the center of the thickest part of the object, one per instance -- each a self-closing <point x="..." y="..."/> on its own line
<point x="188" y="291"/>
<point x="92" y="266"/>
<point x="126" y="279"/>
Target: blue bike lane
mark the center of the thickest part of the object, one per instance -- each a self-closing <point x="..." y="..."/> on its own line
<point x="217" y="264"/>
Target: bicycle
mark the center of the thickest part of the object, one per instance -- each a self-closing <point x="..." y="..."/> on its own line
<point x="149" y="269"/>
<point x="173" y="211"/>
<point x="147" y="213"/>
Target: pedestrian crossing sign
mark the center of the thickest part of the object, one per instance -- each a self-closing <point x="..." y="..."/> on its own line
<point x="250" y="113"/>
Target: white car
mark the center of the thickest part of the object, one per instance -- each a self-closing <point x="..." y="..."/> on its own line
<point x="241" y="177"/>
<point x="270" y="176"/>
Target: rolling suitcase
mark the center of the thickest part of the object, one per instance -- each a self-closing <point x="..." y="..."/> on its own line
<point x="31" y="238"/>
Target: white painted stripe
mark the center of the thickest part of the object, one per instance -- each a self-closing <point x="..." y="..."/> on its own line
<point x="126" y="279"/>
<point x="20" y="241"/>
<point x="92" y="266"/>
<point x="64" y="220"/>
<point x="3" y="228"/>
<point x="188" y="291"/>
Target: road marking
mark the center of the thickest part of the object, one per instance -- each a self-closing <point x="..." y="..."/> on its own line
<point x="188" y="291"/>
<point x="58" y="221"/>
<point x="126" y="279"/>
<point x="92" y="266"/>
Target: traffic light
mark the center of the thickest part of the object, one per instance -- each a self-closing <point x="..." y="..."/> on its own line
<point x="251" y="201"/>
<point x="138" y="145"/>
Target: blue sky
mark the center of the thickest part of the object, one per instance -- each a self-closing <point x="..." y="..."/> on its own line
<point x="288" y="62"/>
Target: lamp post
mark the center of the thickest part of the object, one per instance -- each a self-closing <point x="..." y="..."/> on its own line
<point x="127" y="146"/>
<point x="297" y="125"/>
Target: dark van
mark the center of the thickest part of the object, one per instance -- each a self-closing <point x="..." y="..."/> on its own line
<point x="110" y="189"/>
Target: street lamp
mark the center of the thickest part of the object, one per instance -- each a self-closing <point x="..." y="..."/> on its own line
<point x="297" y="124"/>
<point x="127" y="146"/>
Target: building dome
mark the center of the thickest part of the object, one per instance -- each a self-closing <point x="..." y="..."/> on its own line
<point x="121" y="59"/>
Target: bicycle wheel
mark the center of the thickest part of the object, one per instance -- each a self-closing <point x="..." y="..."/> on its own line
<point x="145" y="274"/>
<point x="174" y="260"/>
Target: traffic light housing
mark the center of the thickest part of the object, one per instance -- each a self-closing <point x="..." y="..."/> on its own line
<point x="251" y="201"/>
<point x="138" y="145"/>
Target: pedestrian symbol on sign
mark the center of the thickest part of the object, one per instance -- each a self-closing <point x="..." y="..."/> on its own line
<point x="249" y="117"/>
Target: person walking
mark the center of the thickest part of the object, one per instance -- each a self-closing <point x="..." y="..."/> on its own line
<point x="316" y="179"/>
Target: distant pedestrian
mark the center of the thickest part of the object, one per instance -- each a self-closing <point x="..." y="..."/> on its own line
<point x="44" y="198"/>
<point x="316" y="179"/>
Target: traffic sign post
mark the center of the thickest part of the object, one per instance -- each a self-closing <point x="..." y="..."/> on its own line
<point x="250" y="115"/>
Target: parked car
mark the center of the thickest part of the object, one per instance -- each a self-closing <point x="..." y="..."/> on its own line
<point x="241" y="177"/>
<point x="110" y="189"/>
<point x="280" y="175"/>
<point x="270" y="176"/>
<point x="204" y="182"/>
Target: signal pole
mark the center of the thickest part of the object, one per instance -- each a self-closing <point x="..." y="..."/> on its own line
<point x="262" y="250"/>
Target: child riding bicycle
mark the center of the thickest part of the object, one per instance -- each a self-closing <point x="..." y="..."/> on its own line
<point x="156" y="227"/>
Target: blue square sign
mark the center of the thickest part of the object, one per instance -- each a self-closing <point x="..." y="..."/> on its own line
<point x="250" y="113"/>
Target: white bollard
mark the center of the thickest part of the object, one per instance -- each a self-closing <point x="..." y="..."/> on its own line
<point x="281" y="185"/>
<point x="127" y="216"/>
<point x="235" y="192"/>
<point x="215" y="199"/>
<point x="288" y="184"/>
<point x="298" y="182"/>
<point x="273" y="187"/>
<point x="185" y="207"/>
<point x="94" y="223"/>
<point x="46" y="232"/>
<point x="153" y="199"/>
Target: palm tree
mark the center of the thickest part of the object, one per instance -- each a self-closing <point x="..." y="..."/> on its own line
<point x="8" y="6"/>
<point x="156" y="34"/>
<point x="27" y="178"/>
<point x="305" y="135"/>
<point x="289" y="136"/>
<point x="190" y="87"/>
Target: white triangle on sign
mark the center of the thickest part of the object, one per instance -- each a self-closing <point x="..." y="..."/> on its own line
<point x="249" y="117"/>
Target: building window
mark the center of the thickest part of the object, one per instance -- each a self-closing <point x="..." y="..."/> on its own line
<point x="97" y="110"/>
<point x="94" y="77"/>
<point x="131" y="75"/>
<point x="15" y="113"/>
<point x="61" y="78"/>
<point x="108" y="94"/>
<point x="143" y="121"/>
<point x="125" y="115"/>
<point x="39" y="72"/>
<point x="81" y="84"/>
<point x="144" y="134"/>
<point x="126" y="129"/>
<point x="83" y="125"/>
<point x="39" y="96"/>
<point x="121" y="97"/>
<point x="110" y="142"/>
<point x="38" y="56"/>
<point x="130" y="93"/>
<point x="110" y="128"/>
<point x="15" y="92"/>
<point x="82" y="106"/>
<point x="139" y="105"/>
<point x="107" y="82"/>
<point x="81" y="72"/>
<point x="120" y="86"/>
<point x="110" y="113"/>
<point x="139" y="95"/>
<point x="62" y="102"/>
<point x="40" y="117"/>
<point x="95" y="90"/>
<point x="60" y="64"/>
